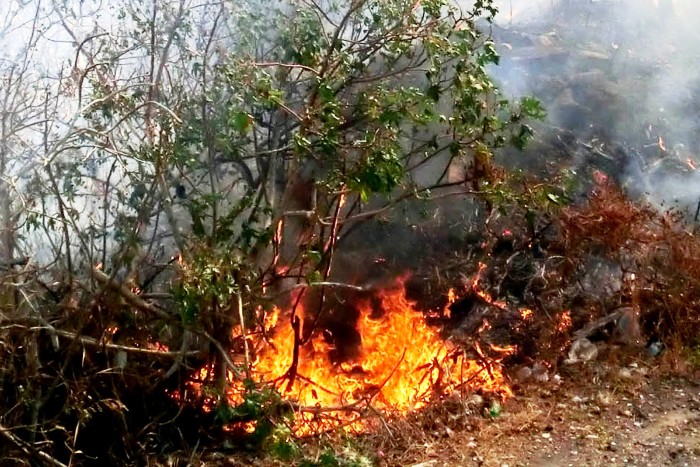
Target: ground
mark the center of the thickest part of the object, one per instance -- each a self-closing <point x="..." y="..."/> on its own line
<point x="607" y="416"/>
<point x="631" y="413"/>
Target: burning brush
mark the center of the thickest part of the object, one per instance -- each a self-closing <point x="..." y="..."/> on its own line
<point x="400" y="365"/>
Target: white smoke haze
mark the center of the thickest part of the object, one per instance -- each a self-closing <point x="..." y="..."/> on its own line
<point x="622" y="77"/>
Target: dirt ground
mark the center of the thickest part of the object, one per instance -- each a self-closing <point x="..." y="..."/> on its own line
<point x="632" y="413"/>
<point x="606" y="416"/>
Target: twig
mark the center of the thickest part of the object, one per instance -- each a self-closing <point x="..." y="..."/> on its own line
<point x="386" y="380"/>
<point x="329" y="253"/>
<point x="15" y="262"/>
<point x="381" y="418"/>
<point x="224" y="354"/>
<point x="131" y="298"/>
<point x="296" y="325"/>
<point x="317" y="409"/>
<point x="245" y="341"/>
<point x="591" y="328"/>
<point x="292" y="372"/>
<point x="330" y="284"/>
<point x="186" y="339"/>
<point x="75" y="441"/>
<point x="96" y="343"/>
<point x="357" y="406"/>
<point x="322" y="284"/>
<point x="284" y="65"/>
<point x="314" y="383"/>
<point x="28" y="450"/>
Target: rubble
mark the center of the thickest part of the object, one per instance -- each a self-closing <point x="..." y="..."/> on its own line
<point x="582" y="350"/>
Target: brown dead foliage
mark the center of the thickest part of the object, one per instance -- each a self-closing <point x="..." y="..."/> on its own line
<point x="658" y="248"/>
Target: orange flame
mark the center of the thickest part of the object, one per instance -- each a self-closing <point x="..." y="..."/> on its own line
<point x="504" y="350"/>
<point x="278" y="231"/>
<point x="481" y="293"/>
<point x="485" y="296"/>
<point x="564" y="322"/>
<point x="157" y="346"/>
<point x="485" y="326"/>
<point x="662" y="144"/>
<point x="277" y="242"/>
<point x="451" y="298"/>
<point x="401" y="365"/>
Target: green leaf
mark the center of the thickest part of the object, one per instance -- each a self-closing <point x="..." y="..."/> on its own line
<point x="554" y="198"/>
<point x="532" y="107"/>
<point x="314" y="256"/>
<point x="314" y="276"/>
<point x="521" y="138"/>
<point x="241" y="121"/>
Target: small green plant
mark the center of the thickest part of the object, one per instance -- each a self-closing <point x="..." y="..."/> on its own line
<point x="694" y="358"/>
<point x="282" y="444"/>
<point x="349" y="457"/>
<point x="209" y="285"/>
<point x="495" y="410"/>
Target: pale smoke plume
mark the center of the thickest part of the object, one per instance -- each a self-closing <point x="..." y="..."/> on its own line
<point x="619" y="72"/>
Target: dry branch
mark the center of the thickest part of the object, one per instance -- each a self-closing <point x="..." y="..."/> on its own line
<point x="4" y="266"/>
<point x="27" y="449"/>
<point x="243" y="333"/>
<point x="96" y="343"/>
<point x="130" y="297"/>
<point x="224" y="355"/>
<point x="592" y="328"/>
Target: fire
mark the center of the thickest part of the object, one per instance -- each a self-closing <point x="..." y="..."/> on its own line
<point x="277" y="241"/>
<point x="564" y="322"/>
<point x="525" y="313"/>
<point x="451" y="298"/>
<point x="662" y="144"/>
<point x="485" y="296"/>
<point x="401" y="365"/>
<point x="504" y="350"/>
<point x="157" y="346"/>
<point x="485" y="326"/>
<point x="278" y="231"/>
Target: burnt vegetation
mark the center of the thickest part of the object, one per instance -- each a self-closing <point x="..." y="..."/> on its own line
<point x="210" y="228"/>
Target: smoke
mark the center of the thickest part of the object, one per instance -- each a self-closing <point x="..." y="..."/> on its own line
<point x="619" y="80"/>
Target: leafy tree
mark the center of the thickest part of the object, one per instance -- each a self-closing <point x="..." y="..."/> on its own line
<point x="351" y="110"/>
